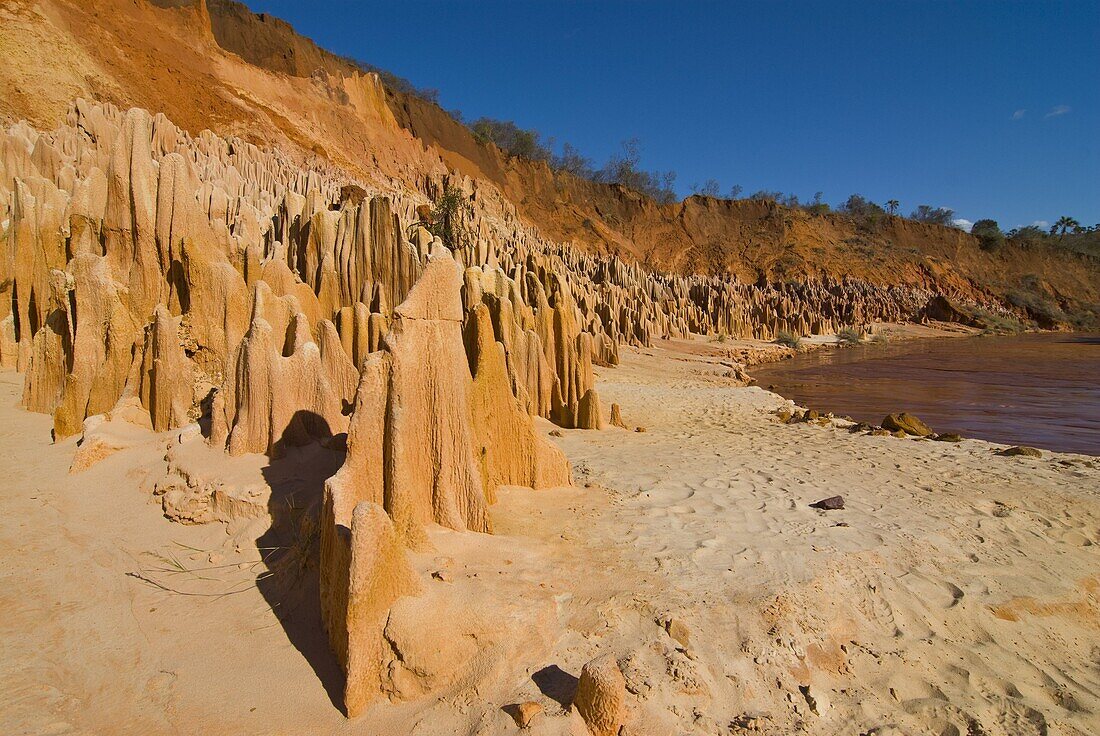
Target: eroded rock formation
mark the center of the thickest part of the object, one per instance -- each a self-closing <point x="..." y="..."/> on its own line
<point x="429" y="442"/>
<point x="130" y="242"/>
<point x="160" y="278"/>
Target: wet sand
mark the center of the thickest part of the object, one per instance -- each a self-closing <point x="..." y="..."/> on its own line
<point x="1041" y="390"/>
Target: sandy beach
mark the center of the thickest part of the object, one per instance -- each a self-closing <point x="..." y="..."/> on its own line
<point x="431" y="371"/>
<point x="956" y="592"/>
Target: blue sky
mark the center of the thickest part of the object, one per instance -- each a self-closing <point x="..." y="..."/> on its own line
<point x="989" y="108"/>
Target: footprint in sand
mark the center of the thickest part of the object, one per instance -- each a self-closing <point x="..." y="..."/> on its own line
<point x="705" y="548"/>
<point x="904" y="688"/>
<point x="1075" y="538"/>
<point x="1015" y="717"/>
<point x="679" y="509"/>
<point x="933" y="592"/>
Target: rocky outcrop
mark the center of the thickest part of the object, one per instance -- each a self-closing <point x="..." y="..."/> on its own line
<point x="366" y="572"/>
<point x="508" y="450"/>
<point x="429" y="442"/>
<point x="166" y="277"/>
<point x="943" y="309"/>
<point x="430" y="439"/>
<point x="266" y="41"/>
<point x="167" y="376"/>
<point x="617" y="417"/>
<point x="547" y="355"/>
<point x="134" y="251"/>
<point x="284" y="388"/>
<point x="907" y="423"/>
<point x="601" y="696"/>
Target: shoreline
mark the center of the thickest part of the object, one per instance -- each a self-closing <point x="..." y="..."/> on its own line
<point x="969" y="396"/>
<point x="751" y="352"/>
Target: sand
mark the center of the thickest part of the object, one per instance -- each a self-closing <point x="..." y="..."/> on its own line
<point x="957" y="593"/>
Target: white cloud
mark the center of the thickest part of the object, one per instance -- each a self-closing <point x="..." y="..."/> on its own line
<point x="962" y="224"/>
<point x="1041" y="224"/>
<point x="1057" y="110"/>
<point x="1019" y="114"/>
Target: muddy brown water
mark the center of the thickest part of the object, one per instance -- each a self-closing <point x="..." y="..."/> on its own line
<point x="1041" y="390"/>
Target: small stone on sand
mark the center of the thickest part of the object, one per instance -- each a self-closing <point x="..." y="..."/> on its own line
<point x="832" y="503"/>
<point x="1020" y="450"/>
<point x="523" y="713"/>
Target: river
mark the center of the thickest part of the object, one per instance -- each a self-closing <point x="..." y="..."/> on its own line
<point x="1041" y="390"/>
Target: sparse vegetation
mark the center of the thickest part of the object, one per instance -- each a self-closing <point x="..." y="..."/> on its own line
<point x="450" y="211"/>
<point x="868" y="215"/>
<point x="1081" y="239"/>
<point x="849" y="336"/>
<point x="763" y="195"/>
<point x="933" y="215"/>
<point x="858" y="206"/>
<point x="1039" y="308"/>
<point x="624" y="169"/>
<point x="1065" y="224"/>
<point x="988" y="233"/>
<point x="998" y="324"/>
<point x="709" y="189"/>
<point x="1041" y="305"/>
<point x="571" y="161"/>
<point x="786" y="339"/>
<point x="398" y="83"/>
<point x="512" y="139"/>
<point x="816" y="205"/>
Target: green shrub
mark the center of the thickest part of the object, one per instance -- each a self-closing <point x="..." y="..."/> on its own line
<point x="625" y="169"/>
<point x="450" y="212"/>
<point x="988" y="233"/>
<point x="1039" y="308"/>
<point x="933" y="215"/>
<point x="998" y="324"/>
<point x="512" y="139"/>
<point x="849" y="336"/>
<point x="788" y="340"/>
<point x="867" y="215"/>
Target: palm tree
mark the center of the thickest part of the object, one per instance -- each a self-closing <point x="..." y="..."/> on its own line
<point x="892" y="206"/>
<point x="1064" y="225"/>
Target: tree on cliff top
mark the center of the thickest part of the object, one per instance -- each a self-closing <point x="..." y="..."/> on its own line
<point x="988" y="233"/>
<point x="1064" y="225"/>
<point x="571" y="161"/>
<point x="933" y="215"/>
<point x="624" y="169"/>
<point x="512" y="139"/>
<point x="859" y="207"/>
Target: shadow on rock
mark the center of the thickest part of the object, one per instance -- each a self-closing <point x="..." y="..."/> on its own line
<point x="290" y="548"/>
